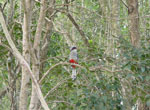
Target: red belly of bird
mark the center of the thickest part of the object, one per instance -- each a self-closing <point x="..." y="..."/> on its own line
<point x="73" y="61"/>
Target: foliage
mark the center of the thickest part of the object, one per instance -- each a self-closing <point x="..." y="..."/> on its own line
<point x="122" y="77"/>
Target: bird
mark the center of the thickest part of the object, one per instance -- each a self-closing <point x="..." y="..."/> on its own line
<point x="73" y="59"/>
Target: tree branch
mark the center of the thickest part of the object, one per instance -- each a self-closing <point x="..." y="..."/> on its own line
<point x="76" y="25"/>
<point x="97" y="68"/>
<point x="60" y="63"/>
<point x="3" y="92"/>
<point x="17" y="54"/>
<point x="124" y="4"/>
<point x="39" y="25"/>
<point x="54" y="88"/>
<point x="5" y="46"/>
<point x="79" y="29"/>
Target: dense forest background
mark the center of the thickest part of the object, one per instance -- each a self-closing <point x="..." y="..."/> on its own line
<point x="113" y="42"/>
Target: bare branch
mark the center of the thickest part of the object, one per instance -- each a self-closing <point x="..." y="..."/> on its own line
<point x="79" y="29"/>
<point x="60" y="63"/>
<point x="17" y="54"/>
<point x="67" y="36"/>
<point x="39" y="25"/>
<point x="4" y="5"/>
<point x="6" y="46"/>
<point x="3" y="92"/>
<point x="54" y="88"/>
<point x="97" y="68"/>
<point x="75" y="24"/>
<point x="38" y="1"/>
<point x="124" y="4"/>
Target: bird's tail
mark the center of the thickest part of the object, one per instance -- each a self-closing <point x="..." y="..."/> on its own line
<point x="74" y="74"/>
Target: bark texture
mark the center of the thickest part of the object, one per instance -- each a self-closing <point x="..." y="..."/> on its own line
<point x="22" y="61"/>
<point x="12" y="82"/>
<point x="10" y="66"/>
<point x="103" y="7"/>
<point x="25" y="75"/>
<point x="133" y="17"/>
<point x="114" y="27"/>
<point x="134" y="33"/>
<point x="46" y="38"/>
<point x="34" y="103"/>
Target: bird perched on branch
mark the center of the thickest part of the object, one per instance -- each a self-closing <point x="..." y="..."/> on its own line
<point x="73" y="60"/>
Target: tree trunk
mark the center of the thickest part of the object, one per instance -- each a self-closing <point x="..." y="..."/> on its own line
<point x="34" y="104"/>
<point x="22" y="61"/>
<point x="46" y="38"/>
<point x="133" y="19"/>
<point x="12" y="82"/>
<point x="142" y="106"/>
<point x="25" y="75"/>
<point x="134" y="33"/>
<point x="103" y="7"/>
<point x="115" y="26"/>
<point x="10" y="66"/>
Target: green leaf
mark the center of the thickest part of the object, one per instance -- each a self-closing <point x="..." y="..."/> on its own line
<point x="129" y="75"/>
<point x="142" y="69"/>
<point x="78" y="103"/>
<point x="147" y="78"/>
<point x="147" y="96"/>
<point x="90" y="41"/>
<point x="105" y="98"/>
<point x="133" y="92"/>
<point x="135" y="99"/>
<point x="148" y="103"/>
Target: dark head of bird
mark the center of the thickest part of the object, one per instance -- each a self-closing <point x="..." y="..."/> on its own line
<point x="73" y="48"/>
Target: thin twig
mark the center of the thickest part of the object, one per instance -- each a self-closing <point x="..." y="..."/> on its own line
<point x="22" y="61"/>
<point x="59" y="101"/>
<point x="78" y="28"/>
<point x="54" y="88"/>
<point x="3" y="92"/>
<point x="96" y="68"/>
<point x="4" y="5"/>
<point x="124" y="4"/>
<point x="38" y="1"/>
<point x="60" y="63"/>
<point x="7" y="47"/>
